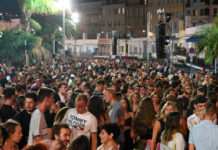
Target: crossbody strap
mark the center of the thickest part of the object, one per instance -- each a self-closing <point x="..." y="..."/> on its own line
<point x="174" y="142"/>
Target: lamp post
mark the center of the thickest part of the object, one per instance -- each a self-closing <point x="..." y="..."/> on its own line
<point x="63" y="4"/>
<point x="75" y="18"/>
<point x="64" y="9"/>
<point x="148" y="37"/>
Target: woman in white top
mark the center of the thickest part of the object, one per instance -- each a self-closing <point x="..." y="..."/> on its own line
<point x="171" y="138"/>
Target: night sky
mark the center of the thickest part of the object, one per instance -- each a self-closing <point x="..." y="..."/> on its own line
<point x="11" y="6"/>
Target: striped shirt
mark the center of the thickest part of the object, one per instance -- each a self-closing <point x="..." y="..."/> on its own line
<point x="204" y="136"/>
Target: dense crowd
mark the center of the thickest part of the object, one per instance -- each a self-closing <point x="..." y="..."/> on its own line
<point x="107" y="104"/>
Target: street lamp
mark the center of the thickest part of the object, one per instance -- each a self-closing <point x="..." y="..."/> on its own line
<point x="75" y="18"/>
<point x="63" y="4"/>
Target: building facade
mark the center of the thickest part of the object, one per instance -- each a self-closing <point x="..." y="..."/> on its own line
<point x="113" y="18"/>
<point x="136" y="18"/>
<point x="175" y="7"/>
<point x="198" y="12"/>
<point x="90" y="18"/>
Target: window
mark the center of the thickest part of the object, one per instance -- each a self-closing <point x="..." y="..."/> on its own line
<point x="123" y="10"/>
<point x="109" y="23"/>
<point x="181" y="15"/>
<point x="177" y="16"/>
<point x="215" y="2"/>
<point x="115" y="11"/>
<point x="202" y="12"/>
<point x="109" y="11"/>
<point x="175" y="27"/>
<point x="214" y="11"/>
<point x="195" y="12"/>
<point x="119" y="11"/>
<point x="118" y="23"/>
<point x="207" y="12"/>
<point x="138" y="11"/>
<point x="207" y="2"/>
<point x="168" y="2"/>
<point x="188" y="12"/>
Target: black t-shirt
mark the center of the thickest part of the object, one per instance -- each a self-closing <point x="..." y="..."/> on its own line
<point x="24" y="119"/>
<point x="3" y="81"/>
<point x="49" y="117"/>
<point x="6" y="112"/>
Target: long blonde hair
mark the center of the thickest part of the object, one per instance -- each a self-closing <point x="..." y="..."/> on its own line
<point x="172" y="126"/>
<point x="162" y="115"/>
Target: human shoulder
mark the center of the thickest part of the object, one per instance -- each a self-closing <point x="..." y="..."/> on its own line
<point x="179" y="135"/>
<point x="89" y="114"/>
<point x="191" y="117"/>
<point x="20" y="114"/>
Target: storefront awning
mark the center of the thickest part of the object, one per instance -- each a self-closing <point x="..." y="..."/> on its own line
<point x="193" y="39"/>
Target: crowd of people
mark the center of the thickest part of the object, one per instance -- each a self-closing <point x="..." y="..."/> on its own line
<point x="107" y="104"/>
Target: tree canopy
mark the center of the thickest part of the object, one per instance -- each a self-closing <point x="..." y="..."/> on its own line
<point x="12" y="44"/>
<point x="209" y="42"/>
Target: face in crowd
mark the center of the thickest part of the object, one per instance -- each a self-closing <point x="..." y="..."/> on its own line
<point x="29" y="104"/>
<point x="63" y="137"/>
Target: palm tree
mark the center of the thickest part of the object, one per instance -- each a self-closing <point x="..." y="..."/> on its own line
<point x="30" y="7"/>
<point x="45" y="18"/>
<point x="209" y="43"/>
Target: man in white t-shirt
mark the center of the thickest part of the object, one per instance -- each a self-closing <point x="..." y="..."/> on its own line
<point x="81" y="121"/>
<point x="38" y="127"/>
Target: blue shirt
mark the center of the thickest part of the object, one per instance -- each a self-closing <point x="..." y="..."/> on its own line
<point x="204" y="136"/>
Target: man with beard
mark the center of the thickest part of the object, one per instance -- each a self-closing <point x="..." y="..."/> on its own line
<point x="61" y="137"/>
<point x="183" y="100"/>
<point x="24" y="116"/>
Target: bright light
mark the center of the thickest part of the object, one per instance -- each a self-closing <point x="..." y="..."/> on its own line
<point x="75" y="17"/>
<point x="151" y="34"/>
<point x="63" y="4"/>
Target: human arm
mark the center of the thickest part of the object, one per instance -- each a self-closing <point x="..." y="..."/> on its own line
<point x="191" y="140"/>
<point x="191" y="147"/>
<point x="38" y="138"/>
<point x="189" y="124"/>
<point x="121" y="121"/>
<point x="121" y="117"/>
<point x="156" y="130"/>
<point x="132" y="131"/>
<point x="184" y="128"/>
<point x="94" y="140"/>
